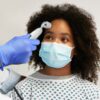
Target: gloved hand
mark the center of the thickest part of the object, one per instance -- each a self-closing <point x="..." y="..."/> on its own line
<point x="18" y="50"/>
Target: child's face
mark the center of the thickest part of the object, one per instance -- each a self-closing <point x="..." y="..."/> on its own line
<point x="60" y="32"/>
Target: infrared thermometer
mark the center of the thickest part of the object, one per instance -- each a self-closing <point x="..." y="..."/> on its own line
<point x="37" y="32"/>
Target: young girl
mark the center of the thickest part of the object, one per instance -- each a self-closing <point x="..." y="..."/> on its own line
<point x="68" y="57"/>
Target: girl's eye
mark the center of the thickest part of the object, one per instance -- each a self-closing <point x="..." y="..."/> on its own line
<point x="64" y="39"/>
<point x="48" y="37"/>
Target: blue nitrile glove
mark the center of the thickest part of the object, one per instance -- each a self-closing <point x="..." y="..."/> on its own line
<point x="17" y="51"/>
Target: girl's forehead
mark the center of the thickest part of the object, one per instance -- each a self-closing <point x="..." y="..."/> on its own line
<point x="50" y="32"/>
<point x="60" y="26"/>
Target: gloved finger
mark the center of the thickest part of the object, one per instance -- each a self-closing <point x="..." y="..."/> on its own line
<point x="35" y="42"/>
<point x="25" y="61"/>
<point x="30" y="54"/>
<point x="33" y="47"/>
<point x="25" y="36"/>
<point x="24" y="58"/>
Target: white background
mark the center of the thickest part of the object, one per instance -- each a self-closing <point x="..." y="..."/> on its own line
<point x="14" y="15"/>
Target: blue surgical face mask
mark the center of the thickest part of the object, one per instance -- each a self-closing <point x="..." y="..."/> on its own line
<point x="55" y="55"/>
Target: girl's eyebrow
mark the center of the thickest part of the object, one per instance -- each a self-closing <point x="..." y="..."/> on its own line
<point x="65" y="34"/>
<point x="49" y="32"/>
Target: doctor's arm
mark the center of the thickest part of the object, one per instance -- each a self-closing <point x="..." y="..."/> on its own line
<point x="16" y="51"/>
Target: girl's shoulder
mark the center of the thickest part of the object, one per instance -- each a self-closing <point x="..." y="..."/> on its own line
<point x="90" y="89"/>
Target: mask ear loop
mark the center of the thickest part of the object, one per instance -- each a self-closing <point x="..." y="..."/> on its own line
<point x="72" y="48"/>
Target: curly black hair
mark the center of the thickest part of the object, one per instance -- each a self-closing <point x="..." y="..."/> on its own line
<point x="85" y="63"/>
